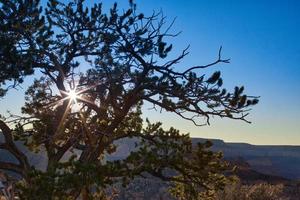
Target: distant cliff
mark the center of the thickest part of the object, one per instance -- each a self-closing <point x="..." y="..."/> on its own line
<point x="273" y="160"/>
<point x="268" y="159"/>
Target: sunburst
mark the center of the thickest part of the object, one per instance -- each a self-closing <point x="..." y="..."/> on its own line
<point x="75" y="99"/>
<point x="73" y="95"/>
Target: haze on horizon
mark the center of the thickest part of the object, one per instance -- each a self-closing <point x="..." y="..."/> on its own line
<point x="262" y="40"/>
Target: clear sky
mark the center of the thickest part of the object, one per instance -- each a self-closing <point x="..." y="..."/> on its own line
<point x="262" y="40"/>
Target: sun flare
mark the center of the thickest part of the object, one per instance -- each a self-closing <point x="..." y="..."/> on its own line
<point x="73" y="95"/>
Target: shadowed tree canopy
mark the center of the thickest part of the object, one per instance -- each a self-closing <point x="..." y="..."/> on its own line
<point x="21" y="26"/>
<point x="79" y="115"/>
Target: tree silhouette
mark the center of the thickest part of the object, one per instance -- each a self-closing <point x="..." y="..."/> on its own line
<point x="76" y="117"/>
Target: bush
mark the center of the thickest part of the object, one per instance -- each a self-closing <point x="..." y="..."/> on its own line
<point x="259" y="191"/>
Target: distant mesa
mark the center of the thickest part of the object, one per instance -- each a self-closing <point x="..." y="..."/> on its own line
<point x="273" y="160"/>
<point x="276" y="160"/>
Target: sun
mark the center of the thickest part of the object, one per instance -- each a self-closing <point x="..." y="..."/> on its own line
<point x="73" y="95"/>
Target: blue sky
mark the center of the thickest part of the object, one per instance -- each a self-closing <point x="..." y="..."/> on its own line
<point x="262" y="40"/>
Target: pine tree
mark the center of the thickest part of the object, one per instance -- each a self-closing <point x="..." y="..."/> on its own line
<point x="76" y="117"/>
